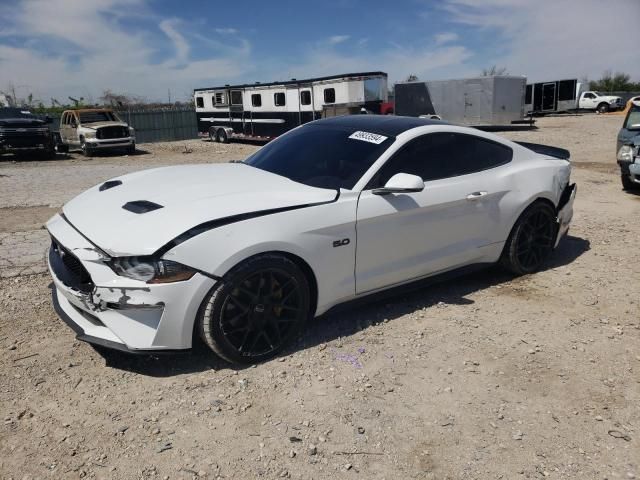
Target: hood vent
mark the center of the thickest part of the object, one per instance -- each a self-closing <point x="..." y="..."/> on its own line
<point x="109" y="184"/>
<point x="141" y="206"/>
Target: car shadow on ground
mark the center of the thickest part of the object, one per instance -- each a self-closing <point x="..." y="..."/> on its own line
<point x="353" y="317"/>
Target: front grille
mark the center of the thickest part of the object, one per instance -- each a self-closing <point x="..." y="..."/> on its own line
<point x="105" y="133"/>
<point x="26" y="139"/>
<point x="68" y="268"/>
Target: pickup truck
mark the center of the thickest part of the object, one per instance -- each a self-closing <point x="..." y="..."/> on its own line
<point x="593" y="100"/>
<point x="96" y="129"/>
<point x="21" y="133"/>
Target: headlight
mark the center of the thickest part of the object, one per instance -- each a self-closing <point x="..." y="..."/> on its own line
<point x="90" y="134"/>
<point x="150" y="270"/>
<point x="132" y="132"/>
<point x="625" y="154"/>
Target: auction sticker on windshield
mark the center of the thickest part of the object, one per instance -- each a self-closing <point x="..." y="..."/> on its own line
<point x="368" y="137"/>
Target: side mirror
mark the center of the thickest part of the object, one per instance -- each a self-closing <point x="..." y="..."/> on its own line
<point x="401" y="183"/>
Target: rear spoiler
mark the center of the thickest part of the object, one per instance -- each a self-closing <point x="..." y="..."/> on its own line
<point x="556" y="152"/>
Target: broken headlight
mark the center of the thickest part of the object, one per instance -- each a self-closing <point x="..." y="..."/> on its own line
<point x="151" y="270"/>
<point x="625" y="154"/>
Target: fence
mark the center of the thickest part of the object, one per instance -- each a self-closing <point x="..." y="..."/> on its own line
<point x="156" y="125"/>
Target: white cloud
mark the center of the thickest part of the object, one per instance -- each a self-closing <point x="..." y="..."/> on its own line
<point x="336" y="39"/>
<point x="88" y="50"/>
<point x="181" y="45"/>
<point x="552" y="39"/>
<point x="445" y="37"/>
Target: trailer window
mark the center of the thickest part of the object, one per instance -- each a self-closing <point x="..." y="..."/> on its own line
<point x="256" y="100"/>
<point x="199" y="102"/>
<point x="329" y="95"/>
<point x="567" y="90"/>
<point x="279" y="99"/>
<point x="305" y="97"/>
<point x="219" y="98"/>
<point x="527" y="95"/>
<point x="236" y="97"/>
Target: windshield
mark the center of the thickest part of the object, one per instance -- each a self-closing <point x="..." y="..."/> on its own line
<point x="633" y="118"/>
<point x="15" y="113"/>
<point x="91" y="117"/>
<point x="320" y="156"/>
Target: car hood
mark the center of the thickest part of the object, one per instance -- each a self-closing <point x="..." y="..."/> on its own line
<point x="189" y="196"/>
<point x="21" y="122"/>
<point x="95" y="125"/>
<point x="609" y="98"/>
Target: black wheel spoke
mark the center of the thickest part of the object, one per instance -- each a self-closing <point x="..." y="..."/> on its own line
<point x="261" y="312"/>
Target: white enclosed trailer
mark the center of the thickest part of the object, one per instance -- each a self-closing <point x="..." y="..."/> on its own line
<point x="266" y="110"/>
<point x="482" y="101"/>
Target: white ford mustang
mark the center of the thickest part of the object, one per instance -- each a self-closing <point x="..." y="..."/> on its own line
<point x="242" y="254"/>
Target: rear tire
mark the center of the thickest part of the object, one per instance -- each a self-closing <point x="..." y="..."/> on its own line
<point x="222" y="136"/>
<point x="258" y="308"/>
<point x="603" y="107"/>
<point x="213" y="137"/>
<point x="531" y="240"/>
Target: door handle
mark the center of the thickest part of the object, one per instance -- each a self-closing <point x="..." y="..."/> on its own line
<point x="476" y="195"/>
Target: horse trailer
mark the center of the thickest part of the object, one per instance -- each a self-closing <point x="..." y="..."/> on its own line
<point x="482" y="101"/>
<point x="265" y="110"/>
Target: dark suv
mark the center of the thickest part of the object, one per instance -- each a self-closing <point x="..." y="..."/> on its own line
<point x="627" y="148"/>
<point x="22" y="132"/>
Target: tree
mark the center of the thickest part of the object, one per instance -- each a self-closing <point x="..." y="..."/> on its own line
<point x="493" y="71"/>
<point x="412" y="78"/>
<point x="609" y="82"/>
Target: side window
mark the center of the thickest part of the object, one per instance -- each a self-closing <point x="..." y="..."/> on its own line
<point x="589" y="95"/>
<point x="256" y="100"/>
<point x="236" y="97"/>
<point x="305" y="97"/>
<point x="279" y="99"/>
<point x="329" y="95"/>
<point x="219" y="98"/>
<point x="63" y="121"/>
<point x="199" y="102"/>
<point x="442" y="155"/>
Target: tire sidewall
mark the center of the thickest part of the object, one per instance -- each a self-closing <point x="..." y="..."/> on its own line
<point x="210" y="311"/>
<point x="509" y="257"/>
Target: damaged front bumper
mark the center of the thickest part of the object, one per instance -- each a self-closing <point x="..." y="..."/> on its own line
<point x="117" y="312"/>
<point x="565" y="211"/>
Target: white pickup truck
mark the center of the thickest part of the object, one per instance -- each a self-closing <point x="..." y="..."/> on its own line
<point x="592" y="100"/>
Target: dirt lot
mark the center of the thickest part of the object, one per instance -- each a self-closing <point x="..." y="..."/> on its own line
<point x="481" y="377"/>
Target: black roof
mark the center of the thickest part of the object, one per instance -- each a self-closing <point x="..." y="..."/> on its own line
<point x="293" y="81"/>
<point x="389" y="125"/>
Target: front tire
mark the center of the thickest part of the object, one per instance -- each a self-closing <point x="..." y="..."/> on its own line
<point x="86" y="151"/>
<point x="531" y="240"/>
<point x="603" y="107"/>
<point x="259" y="307"/>
<point x="627" y="184"/>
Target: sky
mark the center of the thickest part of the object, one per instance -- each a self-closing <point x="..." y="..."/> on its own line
<point x="161" y="49"/>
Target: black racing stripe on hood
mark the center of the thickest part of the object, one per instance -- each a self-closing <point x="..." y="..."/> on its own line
<point x="210" y="225"/>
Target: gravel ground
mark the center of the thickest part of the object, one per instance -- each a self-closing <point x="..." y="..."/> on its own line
<point x="482" y="377"/>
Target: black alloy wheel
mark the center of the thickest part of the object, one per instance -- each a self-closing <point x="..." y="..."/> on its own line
<point x="258" y="308"/>
<point x="531" y="240"/>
